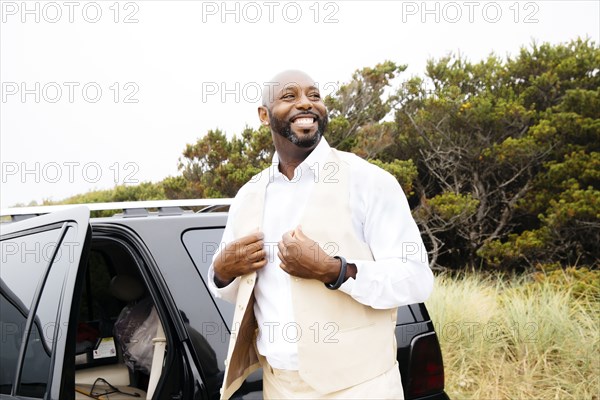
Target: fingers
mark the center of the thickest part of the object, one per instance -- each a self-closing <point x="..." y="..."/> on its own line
<point x="283" y="267"/>
<point x="299" y="233"/>
<point x="259" y="264"/>
<point x="251" y="238"/>
<point x="295" y="236"/>
<point x="237" y="249"/>
<point x="257" y="256"/>
<point x="289" y="245"/>
<point x="287" y="237"/>
<point x="289" y="250"/>
<point x="254" y="247"/>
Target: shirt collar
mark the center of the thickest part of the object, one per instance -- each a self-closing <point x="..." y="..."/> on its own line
<point x="315" y="158"/>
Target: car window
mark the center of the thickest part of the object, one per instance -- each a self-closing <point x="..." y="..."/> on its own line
<point x="40" y="343"/>
<point x="202" y="245"/>
<point x="12" y="326"/>
<point x="24" y="261"/>
<point x="97" y="302"/>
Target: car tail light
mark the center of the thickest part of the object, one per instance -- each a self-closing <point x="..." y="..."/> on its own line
<point x="426" y="368"/>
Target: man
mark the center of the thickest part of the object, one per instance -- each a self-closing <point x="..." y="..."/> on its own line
<point x="320" y="250"/>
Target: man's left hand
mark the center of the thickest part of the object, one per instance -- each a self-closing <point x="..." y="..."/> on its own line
<point x="303" y="257"/>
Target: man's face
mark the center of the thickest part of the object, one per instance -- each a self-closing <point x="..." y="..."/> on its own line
<point x="297" y="112"/>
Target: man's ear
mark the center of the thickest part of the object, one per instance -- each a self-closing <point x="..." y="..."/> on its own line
<point x="263" y="115"/>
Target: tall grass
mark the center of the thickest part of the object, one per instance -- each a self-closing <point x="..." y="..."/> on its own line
<point x="516" y="339"/>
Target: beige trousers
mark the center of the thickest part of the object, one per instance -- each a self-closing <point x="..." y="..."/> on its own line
<point x="285" y="384"/>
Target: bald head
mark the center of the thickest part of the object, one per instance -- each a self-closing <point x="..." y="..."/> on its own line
<point x="283" y="80"/>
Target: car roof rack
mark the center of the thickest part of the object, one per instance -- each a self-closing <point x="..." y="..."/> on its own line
<point x="130" y="208"/>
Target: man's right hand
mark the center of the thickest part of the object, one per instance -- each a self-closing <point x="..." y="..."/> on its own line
<point x="240" y="257"/>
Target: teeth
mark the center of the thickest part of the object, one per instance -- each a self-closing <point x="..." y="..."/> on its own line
<point x="303" y="121"/>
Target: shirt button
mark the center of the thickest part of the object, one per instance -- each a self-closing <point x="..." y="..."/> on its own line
<point x="225" y="363"/>
<point x="250" y="280"/>
<point x="241" y="307"/>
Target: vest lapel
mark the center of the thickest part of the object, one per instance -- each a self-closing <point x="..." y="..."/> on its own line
<point x="242" y="357"/>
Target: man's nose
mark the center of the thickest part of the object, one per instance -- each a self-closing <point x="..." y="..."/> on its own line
<point x="304" y="103"/>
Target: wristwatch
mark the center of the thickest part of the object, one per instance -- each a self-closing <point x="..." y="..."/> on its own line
<point x="340" y="279"/>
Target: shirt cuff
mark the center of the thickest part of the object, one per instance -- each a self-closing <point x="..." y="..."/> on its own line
<point x="226" y="292"/>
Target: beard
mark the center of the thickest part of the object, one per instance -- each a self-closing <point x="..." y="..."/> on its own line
<point x="284" y="129"/>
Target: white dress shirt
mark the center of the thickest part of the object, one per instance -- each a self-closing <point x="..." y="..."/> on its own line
<point x="381" y="217"/>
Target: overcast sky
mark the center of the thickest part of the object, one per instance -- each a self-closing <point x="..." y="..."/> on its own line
<point x="101" y="93"/>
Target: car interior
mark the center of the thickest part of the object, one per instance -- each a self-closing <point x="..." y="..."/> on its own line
<point x="120" y="342"/>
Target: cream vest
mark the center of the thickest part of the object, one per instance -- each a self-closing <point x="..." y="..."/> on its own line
<point x="342" y="342"/>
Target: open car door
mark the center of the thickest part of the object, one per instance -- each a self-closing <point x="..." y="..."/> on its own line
<point x="43" y="264"/>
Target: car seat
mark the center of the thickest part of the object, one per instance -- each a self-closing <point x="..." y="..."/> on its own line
<point x="137" y="323"/>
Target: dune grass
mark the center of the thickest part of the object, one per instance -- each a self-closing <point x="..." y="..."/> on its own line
<point x="517" y="338"/>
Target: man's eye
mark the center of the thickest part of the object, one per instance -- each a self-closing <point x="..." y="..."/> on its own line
<point x="315" y="95"/>
<point x="287" y="96"/>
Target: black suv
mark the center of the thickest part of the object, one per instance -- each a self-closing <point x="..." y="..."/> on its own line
<point x="118" y="307"/>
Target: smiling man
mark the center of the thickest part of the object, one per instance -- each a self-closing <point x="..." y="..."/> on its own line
<point x="315" y="259"/>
